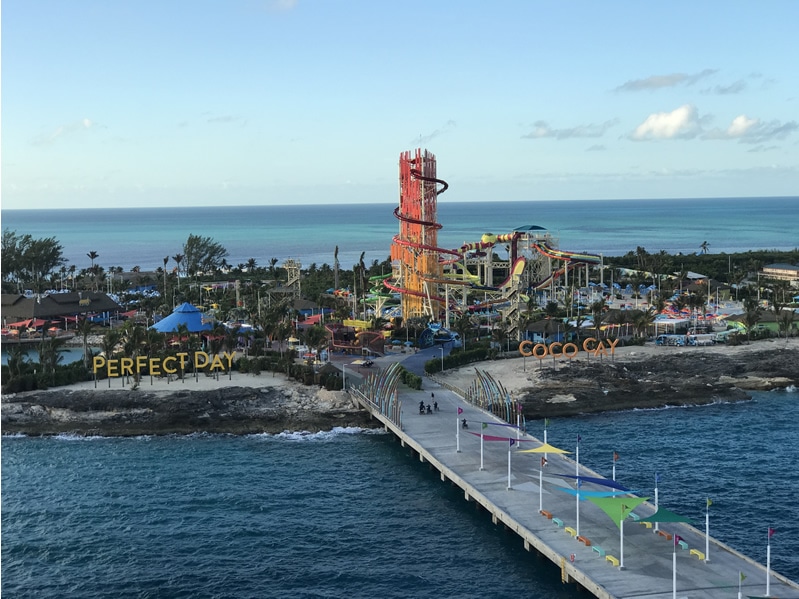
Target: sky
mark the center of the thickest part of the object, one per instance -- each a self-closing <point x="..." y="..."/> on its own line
<point x="177" y="103"/>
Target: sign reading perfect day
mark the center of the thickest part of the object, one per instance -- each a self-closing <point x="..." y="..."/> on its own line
<point x="567" y="350"/>
<point x="157" y="366"/>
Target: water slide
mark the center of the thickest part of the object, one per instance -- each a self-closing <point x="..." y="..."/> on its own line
<point x="544" y="249"/>
<point x="572" y="260"/>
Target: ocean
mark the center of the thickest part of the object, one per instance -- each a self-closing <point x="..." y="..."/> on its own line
<point x="143" y="237"/>
<point x="347" y="512"/>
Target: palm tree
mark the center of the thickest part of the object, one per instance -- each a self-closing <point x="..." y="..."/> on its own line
<point x="50" y="355"/>
<point x="335" y="268"/>
<point x="642" y="321"/>
<point x="84" y="328"/>
<point x="597" y="309"/>
<point x="93" y="256"/>
<point x="178" y="258"/>
<point x="704" y="246"/>
<point x="463" y="325"/>
<point x="752" y="315"/>
<point x="166" y="259"/>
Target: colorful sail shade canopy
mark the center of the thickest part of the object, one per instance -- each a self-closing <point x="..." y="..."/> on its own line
<point x="617" y="508"/>
<point x="664" y="515"/>
<point x="545" y="448"/>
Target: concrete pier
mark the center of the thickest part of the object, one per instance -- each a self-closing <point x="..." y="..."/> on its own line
<point x="587" y="550"/>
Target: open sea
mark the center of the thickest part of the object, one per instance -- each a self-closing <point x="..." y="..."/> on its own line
<point x="129" y="237"/>
<point x="346" y="513"/>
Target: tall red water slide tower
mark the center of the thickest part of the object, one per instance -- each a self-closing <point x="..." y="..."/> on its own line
<point x="414" y="251"/>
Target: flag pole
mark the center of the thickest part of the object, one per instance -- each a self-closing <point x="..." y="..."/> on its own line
<point x="458" y="431"/>
<point x="546" y="422"/>
<point x="614" y="465"/>
<point x="577" y="472"/>
<point x="674" y="572"/>
<point x="741" y="577"/>
<point x="510" y="444"/>
<point x="768" y="562"/>
<point x="621" y="539"/>
<point x="482" y="427"/>
<point x="657" y="478"/>
<point x="541" y="490"/>
<point x="707" y="530"/>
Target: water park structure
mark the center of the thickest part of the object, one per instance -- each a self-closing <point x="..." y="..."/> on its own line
<point x="502" y="270"/>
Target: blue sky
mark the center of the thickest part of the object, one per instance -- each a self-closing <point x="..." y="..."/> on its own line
<point x="177" y="103"/>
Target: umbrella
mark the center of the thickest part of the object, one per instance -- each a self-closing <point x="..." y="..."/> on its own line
<point x="185" y="314"/>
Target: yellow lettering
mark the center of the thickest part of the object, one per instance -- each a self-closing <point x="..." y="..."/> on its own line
<point x="126" y="366"/>
<point x="200" y="359"/>
<point x="112" y="368"/>
<point x="183" y="356"/>
<point x="229" y="357"/>
<point x="217" y="363"/>
<point x="155" y="367"/>
<point x="141" y="364"/>
<point x="167" y="369"/>
<point x="97" y="363"/>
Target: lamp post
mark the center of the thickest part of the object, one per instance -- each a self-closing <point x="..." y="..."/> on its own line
<point x="441" y="347"/>
<point x="344" y="376"/>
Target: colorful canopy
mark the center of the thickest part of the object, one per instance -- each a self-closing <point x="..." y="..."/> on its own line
<point x="545" y="448"/>
<point x="185" y="314"/>
<point x="664" y="515"/>
<point x="617" y="508"/>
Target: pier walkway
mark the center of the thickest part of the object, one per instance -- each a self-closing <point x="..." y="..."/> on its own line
<point x="587" y="550"/>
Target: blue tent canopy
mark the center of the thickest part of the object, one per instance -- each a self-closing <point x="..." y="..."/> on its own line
<point x="184" y="314"/>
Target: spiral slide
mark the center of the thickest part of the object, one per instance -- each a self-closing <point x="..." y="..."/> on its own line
<point x="420" y="246"/>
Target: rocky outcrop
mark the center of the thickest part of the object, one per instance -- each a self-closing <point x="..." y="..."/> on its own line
<point x="587" y="386"/>
<point x="234" y="410"/>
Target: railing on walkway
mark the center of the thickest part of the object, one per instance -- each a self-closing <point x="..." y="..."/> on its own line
<point x="487" y="393"/>
<point x="379" y="390"/>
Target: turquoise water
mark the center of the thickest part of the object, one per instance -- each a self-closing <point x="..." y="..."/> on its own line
<point x="350" y="513"/>
<point x="144" y="236"/>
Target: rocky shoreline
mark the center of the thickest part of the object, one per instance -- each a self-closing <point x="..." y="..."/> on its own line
<point x="636" y="380"/>
<point x="230" y="410"/>
<point x="680" y="379"/>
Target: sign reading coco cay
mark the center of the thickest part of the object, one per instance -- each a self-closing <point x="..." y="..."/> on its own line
<point x="567" y="350"/>
<point x="157" y="366"/>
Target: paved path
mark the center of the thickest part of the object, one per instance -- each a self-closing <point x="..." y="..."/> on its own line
<point x="648" y="557"/>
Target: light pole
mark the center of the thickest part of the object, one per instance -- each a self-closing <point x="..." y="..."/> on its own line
<point x="344" y="377"/>
<point x="441" y="347"/>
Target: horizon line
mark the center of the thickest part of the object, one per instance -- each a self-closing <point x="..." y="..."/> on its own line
<point x="294" y="205"/>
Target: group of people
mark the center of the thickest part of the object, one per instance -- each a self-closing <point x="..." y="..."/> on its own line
<point x="426" y="409"/>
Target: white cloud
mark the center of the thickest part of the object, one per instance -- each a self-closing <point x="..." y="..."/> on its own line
<point x="661" y="81"/>
<point x="753" y="131"/>
<point x="682" y="123"/>
<point x="64" y="130"/>
<point x="740" y="125"/>
<point x="541" y="129"/>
